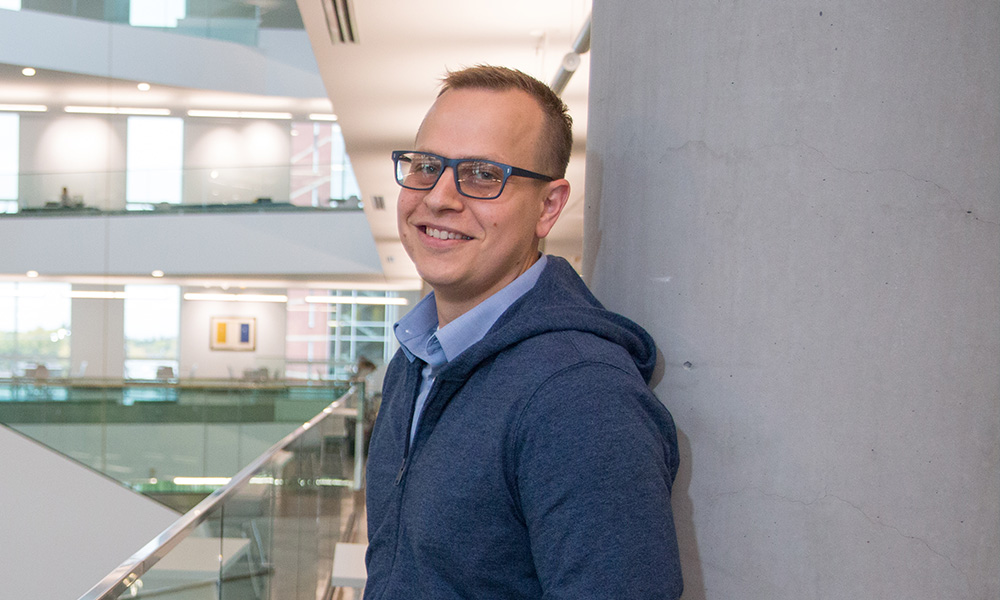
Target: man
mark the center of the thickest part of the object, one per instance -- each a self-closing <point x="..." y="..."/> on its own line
<point x="518" y="452"/>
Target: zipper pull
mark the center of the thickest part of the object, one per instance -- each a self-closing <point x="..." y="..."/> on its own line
<point x="402" y="468"/>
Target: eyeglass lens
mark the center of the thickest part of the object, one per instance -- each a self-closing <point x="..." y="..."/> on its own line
<point x="476" y="178"/>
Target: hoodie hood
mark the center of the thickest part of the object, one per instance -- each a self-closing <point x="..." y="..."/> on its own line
<point x="559" y="301"/>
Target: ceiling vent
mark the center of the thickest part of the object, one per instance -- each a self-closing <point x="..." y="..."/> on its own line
<point x="379" y="202"/>
<point x="340" y="21"/>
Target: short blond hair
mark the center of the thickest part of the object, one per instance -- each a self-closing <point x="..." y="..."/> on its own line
<point x="557" y="137"/>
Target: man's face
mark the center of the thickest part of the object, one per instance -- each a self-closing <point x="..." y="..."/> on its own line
<point x="468" y="249"/>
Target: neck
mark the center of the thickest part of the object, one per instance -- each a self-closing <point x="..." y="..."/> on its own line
<point x="453" y="303"/>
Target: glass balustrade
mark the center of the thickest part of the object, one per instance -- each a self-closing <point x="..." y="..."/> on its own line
<point x="229" y="20"/>
<point x="174" y="440"/>
<point x="201" y="190"/>
<point x="270" y="533"/>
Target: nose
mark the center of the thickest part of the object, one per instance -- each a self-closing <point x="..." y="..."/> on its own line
<point x="444" y="195"/>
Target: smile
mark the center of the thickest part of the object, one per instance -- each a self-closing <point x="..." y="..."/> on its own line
<point x="444" y="235"/>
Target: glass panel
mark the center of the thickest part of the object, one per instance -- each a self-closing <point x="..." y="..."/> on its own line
<point x="156" y="436"/>
<point x="270" y="534"/>
<point x="239" y="164"/>
<point x="229" y="20"/>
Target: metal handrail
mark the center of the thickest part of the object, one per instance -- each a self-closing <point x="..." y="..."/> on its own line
<point x="122" y="577"/>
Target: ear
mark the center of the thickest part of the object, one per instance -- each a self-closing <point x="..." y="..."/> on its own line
<point x="556" y="196"/>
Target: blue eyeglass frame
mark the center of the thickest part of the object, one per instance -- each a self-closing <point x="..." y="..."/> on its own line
<point x="508" y="170"/>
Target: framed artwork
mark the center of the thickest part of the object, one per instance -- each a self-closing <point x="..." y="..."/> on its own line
<point x="232" y="333"/>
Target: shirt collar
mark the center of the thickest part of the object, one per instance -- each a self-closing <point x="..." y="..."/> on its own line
<point x="419" y="336"/>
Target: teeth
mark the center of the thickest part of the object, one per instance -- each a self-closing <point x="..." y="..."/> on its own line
<point x="445" y="235"/>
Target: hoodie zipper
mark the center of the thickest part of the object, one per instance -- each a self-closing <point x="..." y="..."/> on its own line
<point x="406" y="448"/>
<point x="402" y="469"/>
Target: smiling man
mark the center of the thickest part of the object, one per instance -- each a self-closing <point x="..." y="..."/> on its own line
<point x="519" y="452"/>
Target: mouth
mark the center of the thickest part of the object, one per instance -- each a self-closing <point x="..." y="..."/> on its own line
<point x="441" y="234"/>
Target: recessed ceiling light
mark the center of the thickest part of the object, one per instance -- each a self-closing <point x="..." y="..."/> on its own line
<point x="237" y="297"/>
<point x="356" y="300"/>
<point x="250" y="114"/>
<point x="143" y="87"/>
<point x="323" y="117"/>
<point x="32" y="273"/>
<point x="238" y="114"/>
<point x="117" y="110"/>
<point x="23" y="107"/>
<point x="157" y="273"/>
<point x="28" y="72"/>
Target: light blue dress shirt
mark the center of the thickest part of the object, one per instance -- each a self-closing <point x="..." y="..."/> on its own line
<point x="420" y="337"/>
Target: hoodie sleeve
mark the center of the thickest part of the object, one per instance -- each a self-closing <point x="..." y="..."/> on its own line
<point x="595" y="457"/>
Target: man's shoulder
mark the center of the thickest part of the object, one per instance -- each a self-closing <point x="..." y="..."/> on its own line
<point x="549" y="353"/>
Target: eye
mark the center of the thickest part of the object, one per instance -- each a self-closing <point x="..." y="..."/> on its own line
<point x="426" y="167"/>
<point x="483" y="172"/>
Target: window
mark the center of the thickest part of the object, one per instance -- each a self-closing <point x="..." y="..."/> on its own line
<point x="156" y="13"/>
<point x="154" y="160"/>
<point x="10" y="4"/>
<point x="152" y="330"/>
<point x="343" y="184"/>
<point x="322" y="174"/>
<point x="34" y="328"/>
<point x="9" y="164"/>
<point x="325" y="340"/>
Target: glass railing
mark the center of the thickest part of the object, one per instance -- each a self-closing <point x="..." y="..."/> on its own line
<point x="173" y="439"/>
<point x="229" y="20"/>
<point x="270" y="533"/>
<point x="195" y="190"/>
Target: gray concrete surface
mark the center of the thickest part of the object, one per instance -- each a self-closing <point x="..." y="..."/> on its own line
<point x="801" y="202"/>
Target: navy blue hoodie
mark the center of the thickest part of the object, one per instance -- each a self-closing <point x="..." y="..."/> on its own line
<point x="542" y="464"/>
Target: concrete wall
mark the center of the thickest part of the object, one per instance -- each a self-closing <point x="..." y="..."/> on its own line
<point x="802" y="202"/>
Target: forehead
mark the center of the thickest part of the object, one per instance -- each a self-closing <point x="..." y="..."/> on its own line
<point x="478" y="123"/>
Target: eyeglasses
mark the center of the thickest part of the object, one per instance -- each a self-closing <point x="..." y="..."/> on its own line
<point x="474" y="177"/>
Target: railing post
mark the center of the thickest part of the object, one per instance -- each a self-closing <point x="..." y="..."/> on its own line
<point x="359" y="435"/>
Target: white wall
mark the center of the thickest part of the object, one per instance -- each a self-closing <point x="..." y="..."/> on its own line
<point x="236" y="161"/>
<point x="324" y="244"/>
<point x="85" y="153"/>
<point x="64" y="526"/>
<point x="195" y="336"/>
<point x="98" y="338"/>
<point x="801" y="203"/>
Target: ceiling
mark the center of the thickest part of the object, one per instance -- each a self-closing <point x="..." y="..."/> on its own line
<point x="381" y="87"/>
<point x="56" y="89"/>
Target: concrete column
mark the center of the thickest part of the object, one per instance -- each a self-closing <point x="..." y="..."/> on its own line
<point x="801" y="202"/>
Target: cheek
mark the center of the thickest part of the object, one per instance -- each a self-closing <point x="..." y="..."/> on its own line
<point x="404" y="207"/>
